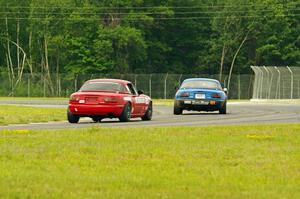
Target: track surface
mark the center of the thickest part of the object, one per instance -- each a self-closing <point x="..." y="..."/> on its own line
<point x="238" y="113"/>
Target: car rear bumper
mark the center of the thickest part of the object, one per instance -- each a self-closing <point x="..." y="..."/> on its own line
<point x="200" y="105"/>
<point x="96" y="110"/>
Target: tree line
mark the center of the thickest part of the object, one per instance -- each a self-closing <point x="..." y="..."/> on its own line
<point x="137" y="36"/>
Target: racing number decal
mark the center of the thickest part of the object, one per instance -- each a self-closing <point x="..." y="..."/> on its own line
<point x="127" y="99"/>
<point x="140" y="100"/>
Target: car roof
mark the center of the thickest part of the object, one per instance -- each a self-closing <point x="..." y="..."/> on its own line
<point x="203" y="79"/>
<point x="120" y="81"/>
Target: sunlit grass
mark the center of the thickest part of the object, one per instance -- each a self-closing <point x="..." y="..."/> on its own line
<point x="11" y="114"/>
<point x="178" y="162"/>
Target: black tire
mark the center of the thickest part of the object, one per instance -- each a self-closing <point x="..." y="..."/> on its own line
<point x="177" y="110"/>
<point x="73" y="118"/>
<point x="223" y="109"/>
<point x="97" y="119"/>
<point x="148" y="114"/>
<point x="126" y="114"/>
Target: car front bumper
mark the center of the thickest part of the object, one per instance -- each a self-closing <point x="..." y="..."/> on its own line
<point x="96" y="110"/>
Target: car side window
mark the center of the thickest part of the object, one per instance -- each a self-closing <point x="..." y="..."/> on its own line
<point x="123" y="88"/>
<point x="132" y="89"/>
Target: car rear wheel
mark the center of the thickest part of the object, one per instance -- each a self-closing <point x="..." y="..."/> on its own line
<point x="177" y="110"/>
<point x="126" y="114"/>
<point x="148" y="114"/>
<point x="223" y="109"/>
<point x="73" y="118"/>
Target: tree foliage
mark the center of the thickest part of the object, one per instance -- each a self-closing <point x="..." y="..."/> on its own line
<point x="122" y="36"/>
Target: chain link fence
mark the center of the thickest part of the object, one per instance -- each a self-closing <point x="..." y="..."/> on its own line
<point x="274" y="82"/>
<point x="158" y="86"/>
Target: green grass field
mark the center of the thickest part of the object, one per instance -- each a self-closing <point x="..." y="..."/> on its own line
<point x="175" y="162"/>
<point x="11" y="114"/>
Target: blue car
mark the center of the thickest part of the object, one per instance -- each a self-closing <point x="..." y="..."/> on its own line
<point x="200" y="94"/>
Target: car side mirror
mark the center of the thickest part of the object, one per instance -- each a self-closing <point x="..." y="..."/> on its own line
<point x="225" y="90"/>
<point x="140" y="92"/>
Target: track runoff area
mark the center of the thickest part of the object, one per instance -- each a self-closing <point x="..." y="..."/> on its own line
<point x="239" y="113"/>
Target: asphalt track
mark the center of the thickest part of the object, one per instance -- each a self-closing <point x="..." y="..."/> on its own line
<point x="238" y="113"/>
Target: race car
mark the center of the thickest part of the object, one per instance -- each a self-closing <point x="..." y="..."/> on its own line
<point x="200" y="94"/>
<point x="109" y="98"/>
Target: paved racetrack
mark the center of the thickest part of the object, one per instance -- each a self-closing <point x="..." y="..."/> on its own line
<point x="238" y="113"/>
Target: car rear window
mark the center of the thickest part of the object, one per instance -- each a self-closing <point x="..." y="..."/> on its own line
<point x="206" y="84"/>
<point x="103" y="86"/>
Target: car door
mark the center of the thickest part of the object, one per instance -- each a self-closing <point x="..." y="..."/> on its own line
<point x="140" y="101"/>
<point x="135" y="107"/>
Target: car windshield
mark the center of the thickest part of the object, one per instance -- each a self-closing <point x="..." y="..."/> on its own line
<point x="102" y="86"/>
<point x="206" y="84"/>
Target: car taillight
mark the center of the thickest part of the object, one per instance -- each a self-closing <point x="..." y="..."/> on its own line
<point x="216" y="95"/>
<point x="111" y="100"/>
<point x="185" y="94"/>
<point x="74" y="98"/>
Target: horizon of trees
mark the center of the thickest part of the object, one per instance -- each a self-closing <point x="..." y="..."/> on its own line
<point x="136" y="36"/>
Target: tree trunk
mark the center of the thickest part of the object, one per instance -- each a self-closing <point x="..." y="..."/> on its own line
<point x="57" y="74"/>
<point x="222" y="61"/>
<point x="18" y="50"/>
<point x="233" y="60"/>
<point x="46" y="63"/>
<point x="30" y="52"/>
<point x="8" y="51"/>
<point x="8" y="68"/>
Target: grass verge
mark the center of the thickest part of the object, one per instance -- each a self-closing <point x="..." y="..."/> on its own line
<point x="173" y="162"/>
<point x="11" y="114"/>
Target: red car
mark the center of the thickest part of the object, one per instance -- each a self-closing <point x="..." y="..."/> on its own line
<point x="109" y="98"/>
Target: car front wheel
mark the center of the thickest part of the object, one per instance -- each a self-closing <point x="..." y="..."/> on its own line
<point x="223" y="109"/>
<point x="177" y="110"/>
<point x="148" y="114"/>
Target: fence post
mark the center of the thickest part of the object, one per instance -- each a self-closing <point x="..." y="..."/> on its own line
<point x="255" y="90"/>
<point x="12" y="88"/>
<point x="267" y="82"/>
<point x="298" y="89"/>
<point x="75" y="83"/>
<point x="261" y="81"/>
<point x="278" y="84"/>
<point x="135" y="82"/>
<point x="165" y="91"/>
<point x="270" y="84"/>
<point x="59" y="86"/>
<point x="150" y="87"/>
<point x="28" y="86"/>
<point x="292" y="82"/>
<point x="180" y="79"/>
<point x="239" y="86"/>
<point x="44" y="87"/>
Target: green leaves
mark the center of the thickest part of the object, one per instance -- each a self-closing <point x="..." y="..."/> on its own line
<point x="123" y="36"/>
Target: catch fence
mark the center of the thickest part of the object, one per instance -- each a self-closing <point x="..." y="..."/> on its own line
<point x="274" y="82"/>
<point x="158" y="86"/>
